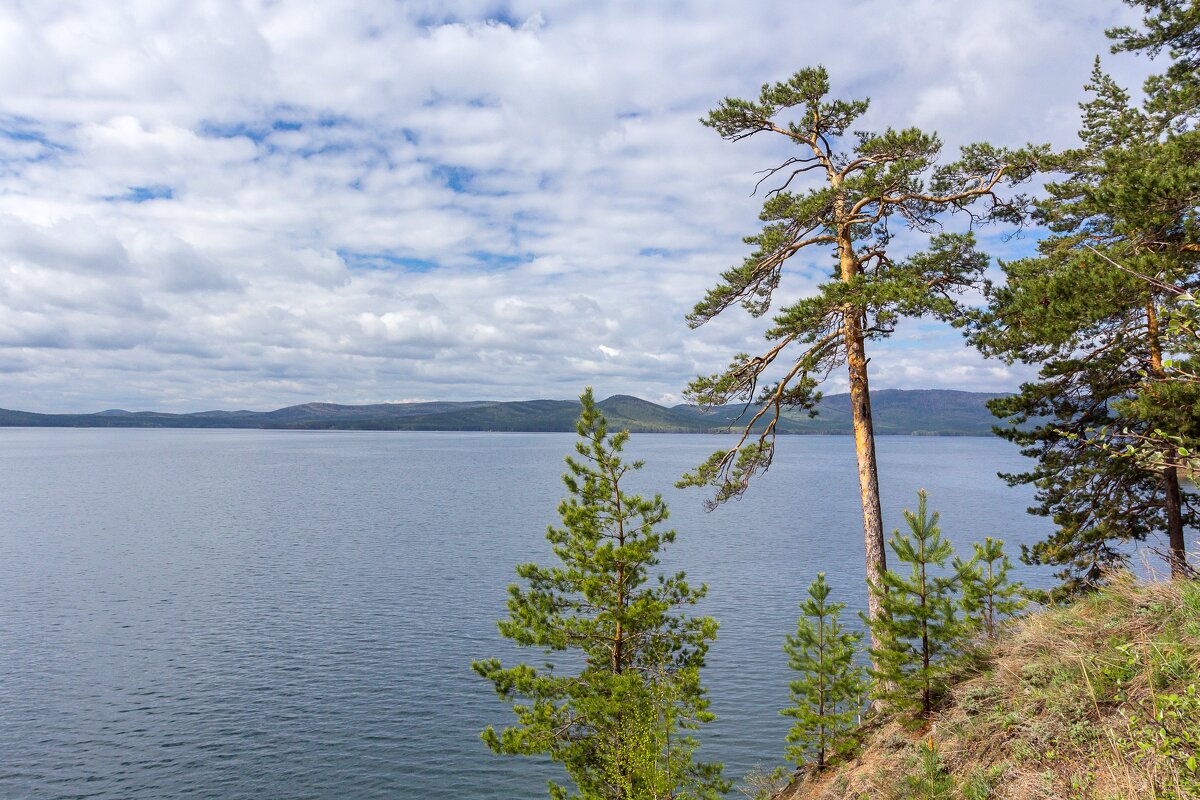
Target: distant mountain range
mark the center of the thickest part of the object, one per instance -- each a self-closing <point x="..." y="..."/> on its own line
<point x="929" y="412"/>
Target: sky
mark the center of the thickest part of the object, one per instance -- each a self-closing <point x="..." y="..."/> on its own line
<point x="220" y="204"/>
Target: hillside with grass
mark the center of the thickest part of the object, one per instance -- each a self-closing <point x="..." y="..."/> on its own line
<point x="1096" y="699"/>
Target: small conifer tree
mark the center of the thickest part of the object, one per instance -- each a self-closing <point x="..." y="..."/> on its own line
<point x="931" y="781"/>
<point x="988" y="596"/>
<point x="618" y="721"/>
<point x="829" y="690"/>
<point x="918" y="628"/>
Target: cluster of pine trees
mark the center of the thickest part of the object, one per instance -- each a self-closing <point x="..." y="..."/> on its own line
<point x="1106" y="310"/>
<point x="930" y="614"/>
<point x="620" y="722"/>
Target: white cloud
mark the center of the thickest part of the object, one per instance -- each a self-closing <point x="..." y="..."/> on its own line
<point x="257" y="203"/>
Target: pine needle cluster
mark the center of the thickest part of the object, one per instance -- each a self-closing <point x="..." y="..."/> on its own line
<point x="988" y="596"/>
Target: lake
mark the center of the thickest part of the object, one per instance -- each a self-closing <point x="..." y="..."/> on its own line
<point x="286" y="614"/>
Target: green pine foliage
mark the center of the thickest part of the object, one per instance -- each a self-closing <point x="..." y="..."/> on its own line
<point x="828" y="691"/>
<point x="988" y="596"/>
<point x="619" y="722"/>
<point x="846" y="193"/>
<point x="1103" y="310"/>
<point x="918" y="630"/>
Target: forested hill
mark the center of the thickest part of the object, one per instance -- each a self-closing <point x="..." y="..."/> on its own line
<point x="933" y="412"/>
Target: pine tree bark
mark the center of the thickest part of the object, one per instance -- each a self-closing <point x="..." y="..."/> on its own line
<point x="1172" y="499"/>
<point x="868" y="473"/>
<point x="864" y="431"/>
<point x="1177" y="548"/>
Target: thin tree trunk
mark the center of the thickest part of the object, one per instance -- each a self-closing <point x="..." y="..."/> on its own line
<point x="868" y="476"/>
<point x="925" y="704"/>
<point x="821" y="694"/>
<point x="864" y="430"/>
<point x="1175" y="542"/>
<point x="1172" y="501"/>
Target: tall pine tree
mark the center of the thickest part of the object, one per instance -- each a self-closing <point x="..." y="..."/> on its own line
<point x="865" y="187"/>
<point x="1159" y="187"/>
<point x="618" y="722"/>
<point x="828" y="691"/>
<point x="1084" y="312"/>
<point x="918" y="629"/>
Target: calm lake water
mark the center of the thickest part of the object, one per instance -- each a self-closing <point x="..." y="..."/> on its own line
<point x="269" y="614"/>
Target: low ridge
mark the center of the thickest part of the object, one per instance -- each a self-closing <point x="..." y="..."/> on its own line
<point x="909" y="412"/>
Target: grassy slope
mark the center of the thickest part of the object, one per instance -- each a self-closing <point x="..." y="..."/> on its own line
<point x="1046" y="711"/>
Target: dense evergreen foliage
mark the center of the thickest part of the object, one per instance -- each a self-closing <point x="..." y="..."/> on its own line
<point x="1107" y="311"/>
<point x="1158" y="188"/>
<point x="1082" y="311"/>
<point x="828" y="691"/>
<point x="618" y="722"/>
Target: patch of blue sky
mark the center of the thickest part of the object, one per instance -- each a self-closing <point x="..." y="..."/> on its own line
<point x="386" y="261"/>
<point x="325" y="140"/>
<point x="499" y="261"/>
<point x="437" y="99"/>
<point x="284" y="117"/>
<point x="22" y="134"/>
<point x="436" y="20"/>
<point x="497" y="14"/>
<point x="334" y="121"/>
<point x="1008" y="245"/>
<point x="143" y="194"/>
<point x="665" y="252"/>
<point x="504" y="16"/>
<point x="23" y="130"/>
<point x="256" y="132"/>
<point x="464" y="180"/>
<point x="326" y="149"/>
<point x="915" y="335"/>
<point x="457" y="179"/>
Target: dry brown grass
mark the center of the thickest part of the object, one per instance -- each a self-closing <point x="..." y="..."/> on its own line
<point x="1045" y="712"/>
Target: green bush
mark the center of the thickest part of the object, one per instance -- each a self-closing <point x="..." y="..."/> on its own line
<point x="1169" y="741"/>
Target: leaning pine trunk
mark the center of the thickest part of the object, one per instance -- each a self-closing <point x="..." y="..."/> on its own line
<point x="864" y="430"/>
<point x="868" y="477"/>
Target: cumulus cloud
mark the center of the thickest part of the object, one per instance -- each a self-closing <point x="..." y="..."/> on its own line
<point x="248" y="204"/>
